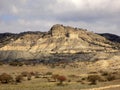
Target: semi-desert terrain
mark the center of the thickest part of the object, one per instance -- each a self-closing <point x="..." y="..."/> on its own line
<point x="64" y="58"/>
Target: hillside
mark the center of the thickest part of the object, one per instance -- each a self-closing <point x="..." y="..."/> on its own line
<point x="59" y="43"/>
<point x="111" y="37"/>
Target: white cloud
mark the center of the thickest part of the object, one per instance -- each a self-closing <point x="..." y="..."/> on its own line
<point x="24" y="1"/>
<point x="96" y="15"/>
<point x="14" y="9"/>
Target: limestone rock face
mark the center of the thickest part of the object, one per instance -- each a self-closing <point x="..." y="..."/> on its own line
<point x="58" y="31"/>
<point x="62" y="31"/>
<point x="60" y="39"/>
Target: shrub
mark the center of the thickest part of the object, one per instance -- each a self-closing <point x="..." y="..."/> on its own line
<point x="19" y="78"/>
<point x="73" y="76"/>
<point x="49" y="73"/>
<point x="37" y="75"/>
<point x="110" y="77"/>
<point x="5" y="78"/>
<point x="69" y="80"/>
<point x="15" y="63"/>
<point x="20" y="64"/>
<point x="32" y="73"/>
<point x="27" y="63"/>
<point x="104" y="73"/>
<point x="29" y="77"/>
<point x="1" y="63"/>
<point x="117" y="75"/>
<point x="55" y="76"/>
<point x="83" y="78"/>
<point x="25" y="74"/>
<point x="61" y="79"/>
<point x="94" y="78"/>
<point x="52" y="65"/>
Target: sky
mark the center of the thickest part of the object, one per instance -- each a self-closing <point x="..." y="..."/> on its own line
<point x="100" y="16"/>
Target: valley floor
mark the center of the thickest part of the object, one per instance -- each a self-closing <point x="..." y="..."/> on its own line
<point x="73" y="72"/>
<point x="36" y="85"/>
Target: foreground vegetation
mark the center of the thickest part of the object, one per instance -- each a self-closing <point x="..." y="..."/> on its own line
<point x="55" y="77"/>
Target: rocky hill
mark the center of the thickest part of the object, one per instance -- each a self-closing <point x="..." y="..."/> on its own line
<point x="59" y="43"/>
<point x="111" y="37"/>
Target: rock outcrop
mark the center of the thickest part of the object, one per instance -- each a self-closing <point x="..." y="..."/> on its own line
<point x="59" y="40"/>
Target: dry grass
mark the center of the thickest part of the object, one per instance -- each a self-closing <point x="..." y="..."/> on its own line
<point x="76" y="77"/>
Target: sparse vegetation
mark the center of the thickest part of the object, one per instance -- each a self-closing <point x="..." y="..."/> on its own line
<point x="55" y="76"/>
<point x="36" y="74"/>
<point x="61" y="79"/>
<point x="1" y="63"/>
<point x="72" y="58"/>
<point x="5" y="78"/>
<point x="111" y="77"/>
<point x="19" y="78"/>
<point x="25" y="74"/>
<point x="49" y="73"/>
<point x="15" y="63"/>
<point x="29" y="77"/>
<point x="44" y="76"/>
<point x="94" y="79"/>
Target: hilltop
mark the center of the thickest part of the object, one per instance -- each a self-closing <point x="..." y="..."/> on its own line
<point x="59" y="43"/>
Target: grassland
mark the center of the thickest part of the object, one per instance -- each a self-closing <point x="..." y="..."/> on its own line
<point x="73" y="72"/>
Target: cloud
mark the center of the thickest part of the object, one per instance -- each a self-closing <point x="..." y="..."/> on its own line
<point x="15" y="10"/>
<point x="40" y="15"/>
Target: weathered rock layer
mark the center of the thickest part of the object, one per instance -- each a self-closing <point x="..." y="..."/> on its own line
<point x="59" y="40"/>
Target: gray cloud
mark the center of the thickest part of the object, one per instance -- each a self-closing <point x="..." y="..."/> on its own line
<point x="39" y="15"/>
